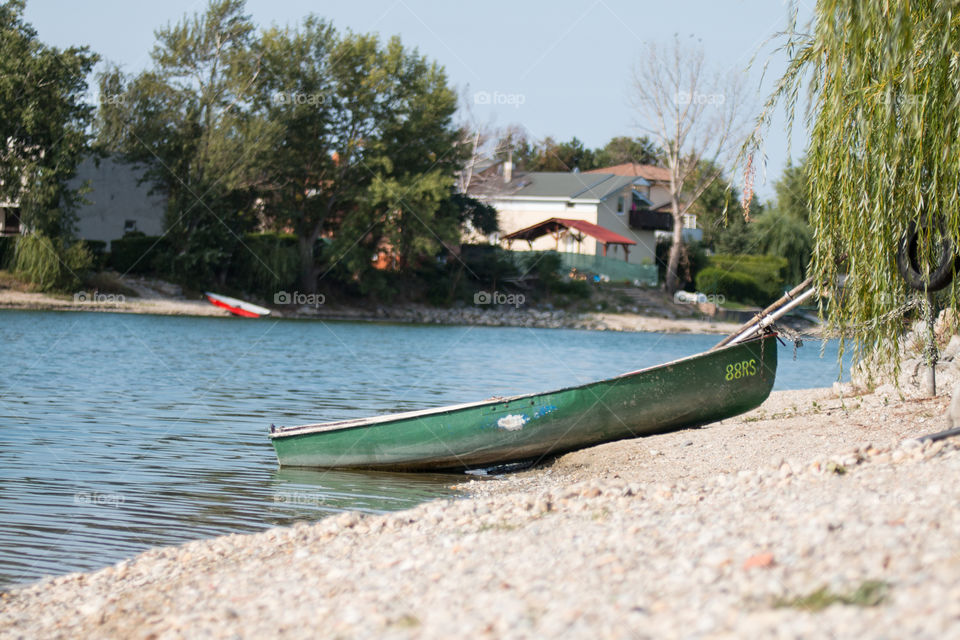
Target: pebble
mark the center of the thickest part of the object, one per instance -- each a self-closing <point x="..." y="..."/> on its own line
<point x="656" y="547"/>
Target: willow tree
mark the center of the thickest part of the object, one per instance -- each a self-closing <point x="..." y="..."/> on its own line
<point x="884" y="92"/>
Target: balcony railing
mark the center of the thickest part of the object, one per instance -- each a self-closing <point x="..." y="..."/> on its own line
<point x="648" y="220"/>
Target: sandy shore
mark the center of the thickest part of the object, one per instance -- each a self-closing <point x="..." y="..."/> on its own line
<point x="812" y="516"/>
<point x="152" y="301"/>
<point x="159" y="306"/>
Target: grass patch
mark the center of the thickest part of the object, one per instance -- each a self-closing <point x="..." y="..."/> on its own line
<point x="498" y="526"/>
<point x="9" y="280"/>
<point x="406" y="621"/>
<point x="735" y="306"/>
<point x="870" y="593"/>
<point x="834" y="467"/>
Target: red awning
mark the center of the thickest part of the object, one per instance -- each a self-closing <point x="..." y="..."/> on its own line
<point x="553" y="225"/>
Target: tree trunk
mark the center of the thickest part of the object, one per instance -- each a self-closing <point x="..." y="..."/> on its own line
<point x="308" y="271"/>
<point x="672" y="282"/>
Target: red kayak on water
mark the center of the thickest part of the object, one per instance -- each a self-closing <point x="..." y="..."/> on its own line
<point x="237" y="307"/>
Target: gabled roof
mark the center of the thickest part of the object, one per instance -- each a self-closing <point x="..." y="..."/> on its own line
<point x="554" y="224"/>
<point x="649" y="172"/>
<point x="562" y="186"/>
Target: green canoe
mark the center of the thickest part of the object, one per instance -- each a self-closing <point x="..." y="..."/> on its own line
<point x="692" y="391"/>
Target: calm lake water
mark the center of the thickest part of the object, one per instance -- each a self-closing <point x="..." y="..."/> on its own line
<point x="123" y="432"/>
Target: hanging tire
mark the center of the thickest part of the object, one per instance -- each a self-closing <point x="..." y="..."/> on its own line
<point x="909" y="265"/>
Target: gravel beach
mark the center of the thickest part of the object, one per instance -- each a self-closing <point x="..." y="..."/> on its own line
<point x="812" y="516"/>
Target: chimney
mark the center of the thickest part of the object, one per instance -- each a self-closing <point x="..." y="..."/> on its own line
<point x="508" y="167"/>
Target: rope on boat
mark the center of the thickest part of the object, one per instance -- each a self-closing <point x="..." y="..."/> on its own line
<point x="786" y="298"/>
<point x="766" y="320"/>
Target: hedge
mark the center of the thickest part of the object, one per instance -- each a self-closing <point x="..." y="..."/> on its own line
<point x="265" y="263"/>
<point x="733" y="285"/>
<point x="138" y="254"/>
<point x="767" y="272"/>
<point x="98" y="249"/>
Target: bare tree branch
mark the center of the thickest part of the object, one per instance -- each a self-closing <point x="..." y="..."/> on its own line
<point x="695" y="115"/>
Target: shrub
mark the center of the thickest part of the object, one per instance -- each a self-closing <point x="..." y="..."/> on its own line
<point x="768" y="272"/>
<point x="49" y="264"/>
<point x="575" y="289"/>
<point x="265" y="263"/>
<point x="135" y="253"/>
<point x="692" y="260"/>
<point x="489" y="264"/>
<point x="98" y="249"/>
<point x="546" y="265"/>
<point x="733" y="285"/>
<point x="7" y="247"/>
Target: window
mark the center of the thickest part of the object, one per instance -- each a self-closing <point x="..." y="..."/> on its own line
<point x="9" y="221"/>
<point x="620" y="204"/>
<point x="129" y="226"/>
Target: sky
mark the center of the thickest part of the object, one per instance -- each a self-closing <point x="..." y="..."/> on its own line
<point x="558" y="68"/>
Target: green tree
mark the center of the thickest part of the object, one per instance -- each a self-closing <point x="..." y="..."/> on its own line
<point x="883" y="152"/>
<point x="186" y="122"/>
<point x="779" y="233"/>
<point x="784" y="230"/>
<point x="792" y="191"/>
<point x="551" y="155"/>
<point x="624" y="149"/>
<point x="721" y="218"/>
<point x="315" y="171"/>
<point x="514" y="144"/>
<point x="44" y="121"/>
<point x="367" y="151"/>
<point x="411" y="156"/>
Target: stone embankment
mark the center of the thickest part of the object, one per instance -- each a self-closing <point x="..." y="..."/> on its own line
<point x="162" y="298"/>
<point x="513" y="317"/>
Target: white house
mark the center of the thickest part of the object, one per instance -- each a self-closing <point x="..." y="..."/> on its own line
<point x="658" y="192"/>
<point x="117" y="203"/>
<point x="616" y="203"/>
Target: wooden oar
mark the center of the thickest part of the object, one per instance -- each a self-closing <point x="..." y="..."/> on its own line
<point x="786" y="298"/>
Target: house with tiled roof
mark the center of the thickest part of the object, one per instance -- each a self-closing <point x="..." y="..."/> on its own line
<point x="658" y="191"/>
<point x="616" y="203"/>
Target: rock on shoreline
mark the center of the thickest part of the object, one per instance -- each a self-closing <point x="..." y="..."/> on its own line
<point x="415" y="314"/>
<point x="740" y="529"/>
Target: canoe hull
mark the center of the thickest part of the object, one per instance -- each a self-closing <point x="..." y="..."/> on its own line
<point x="237" y="307"/>
<point x="685" y="393"/>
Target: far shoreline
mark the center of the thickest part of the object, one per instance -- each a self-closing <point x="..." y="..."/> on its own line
<point x="394" y="314"/>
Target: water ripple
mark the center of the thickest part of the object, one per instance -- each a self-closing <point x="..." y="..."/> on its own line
<point x="121" y="432"/>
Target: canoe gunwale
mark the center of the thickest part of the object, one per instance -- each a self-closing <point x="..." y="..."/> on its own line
<point x="236" y="305"/>
<point x="358" y="423"/>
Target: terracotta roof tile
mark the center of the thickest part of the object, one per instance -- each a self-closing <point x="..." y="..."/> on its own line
<point x="646" y="171"/>
<point x="552" y="224"/>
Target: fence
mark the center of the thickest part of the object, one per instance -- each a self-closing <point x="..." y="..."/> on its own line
<point x="617" y="270"/>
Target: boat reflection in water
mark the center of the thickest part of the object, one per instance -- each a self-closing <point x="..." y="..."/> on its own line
<point x="332" y="490"/>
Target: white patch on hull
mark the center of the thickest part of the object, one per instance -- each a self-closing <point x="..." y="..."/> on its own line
<point x="512" y="422"/>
